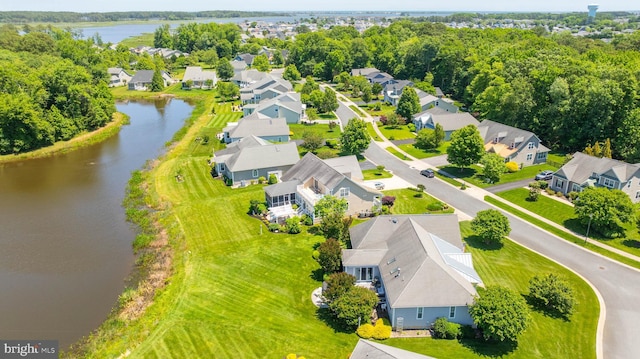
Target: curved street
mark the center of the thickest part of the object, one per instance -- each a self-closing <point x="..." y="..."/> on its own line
<point x="618" y="284"/>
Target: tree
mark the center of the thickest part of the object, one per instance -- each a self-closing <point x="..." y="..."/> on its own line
<point x="261" y="63"/>
<point x="291" y="73"/>
<point x="157" y="82"/>
<point x="330" y="258"/>
<point x="330" y="204"/>
<point x="312" y="141"/>
<point x="224" y="70"/>
<point x="439" y="134"/>
<point x="500" y="313"/>
<point x="293" y="225"/>
<point x="553" y="293"/>
<point x="409" y="103"/>
<point x="278" y="59"/>
<point x="467" y="147"/>
<point x="606" y="151"/>
<point x="493" y="167"/>
<point x="162" y="37"/>
<point x="312" y="114"/>
<point x="491" y="225"/>
<point x="366" y="94"/>
<point x="376" y="89"/>
<point x="227" y="90"/>
<point x="354" y="306"/>
<point x="607" y="210"/>
<point x="337" y="284"/>
<point x="329" y="102"/>
<point x="355" y="138"/>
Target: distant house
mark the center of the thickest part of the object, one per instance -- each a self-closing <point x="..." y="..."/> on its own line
<point x="373" y="75"/>
<point x="287" y="105"/>
<point x="238" y="66"/>
<point x="245" y="78"/>
<point x="247" y="58"/>
<point x="428" y="101"/>
<point x="118" y="77"/>
<point x="417" y="265"/>
<point x="141" y="81"/>
<point x="267" y="88"/>
<point x="250" y="158"/>
<point x="450" y="121"/>
<point x="366" y="349"/>
<point x="259" y="125"/>
<point x="393" y="90"/>
<point x="512" y="144"/>
<point x="588" y="171"/>
<point x="364" y="72"/>
<point x="196" y="77"/>
<point x="313" y="178"/>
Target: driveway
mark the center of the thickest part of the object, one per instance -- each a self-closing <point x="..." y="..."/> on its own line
<point x="618" y="284"/>
<point x="436" y="161"/>
<point x="510" y="185"/>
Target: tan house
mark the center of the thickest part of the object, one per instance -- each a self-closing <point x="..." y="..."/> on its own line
<point x="312" y="178"/>
<point x="512" y="144"/>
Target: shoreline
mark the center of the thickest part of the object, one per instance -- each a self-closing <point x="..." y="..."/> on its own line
<point x="83" y="140"/>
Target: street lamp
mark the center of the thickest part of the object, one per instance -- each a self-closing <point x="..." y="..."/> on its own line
<point x="588" y="226"/>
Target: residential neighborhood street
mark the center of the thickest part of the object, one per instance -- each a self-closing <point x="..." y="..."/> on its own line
<point x="618" y="285"/>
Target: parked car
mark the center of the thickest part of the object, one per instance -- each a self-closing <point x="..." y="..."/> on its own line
<point x="378" y="185"/>
<point x="427" y="173"/>
<point x="544" y="176"/>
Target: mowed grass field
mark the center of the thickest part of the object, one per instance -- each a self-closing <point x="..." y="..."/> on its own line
<point x="241" y="292"/>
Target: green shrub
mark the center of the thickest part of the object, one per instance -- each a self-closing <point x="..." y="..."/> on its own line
<point x="420" y="188"/>
<point x="412" y="127"/>
<point x="435" y="206"/>
<point x="325" y="153"/>
<point x="559" y="194"/>
<point x="331" y="143"/>
<point x="534" y="184"/>
<point x="293" y="225"/>
<point x="543" y="184"/>
<point x="307" y="220"/>
<point x="274" y="227"/>
<point x="365" y="331"/>
<point x="315" y="255"/>
<point x="418" y="195"/>
<point x="381" y="331"/>
<point x="273" y="179"/>
<point x="573" y="195"/>
<point x="550" y="191"/>
<point x="534" y="193"/>
<point x="512" y="167"/>
<point x="261" y="179"/>
<point x="443" y="329"/>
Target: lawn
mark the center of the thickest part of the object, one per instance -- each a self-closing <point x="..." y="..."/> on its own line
<point x="320" y="129"/>
<point x="420" y="153"/>
<point x="385" y="110"/>
<point x="474" y="176"/>
<point x="357" y="110"/>
<point x="135" y="41"/>
<point x="238" y="290"/>
<point x="564" y="215"/>
<point x="397" y="153"/>
<point x="373" y="174"/>
<point x="512" y="266"/>
<point x="372" y="132"/>
<point x="407" y="203"/>
<point x="397" y="133"/>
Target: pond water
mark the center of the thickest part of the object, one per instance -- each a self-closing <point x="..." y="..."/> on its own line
<point x="65" y="247"/>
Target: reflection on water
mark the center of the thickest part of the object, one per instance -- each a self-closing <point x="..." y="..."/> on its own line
<point x="65" y="247"/>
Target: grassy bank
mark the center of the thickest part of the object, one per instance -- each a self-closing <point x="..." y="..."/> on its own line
<point x="83" y="140"/>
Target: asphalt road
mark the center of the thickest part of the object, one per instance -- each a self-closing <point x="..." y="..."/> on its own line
<point x="619" y="285"/>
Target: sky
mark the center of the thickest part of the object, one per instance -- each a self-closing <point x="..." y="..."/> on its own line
<point x="315" y="5"/>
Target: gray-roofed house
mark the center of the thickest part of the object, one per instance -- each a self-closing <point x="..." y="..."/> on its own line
<point x="366" y="349"/>
<point x="512" y="144"/>
<point x="245" y="78"/>
<point x="247" y="58"/>
<point x="417" y="265"/>
<point x="267" y="88"/>
<point x="393" y="90"/>
<point x="313" y="178"/>
<point x="238" y="66"/>
<point x="118" y="77"/>
<point x="141" y="81"/>
<point x="259" y="125"/>
<point x="364" y="71"/>
<point x="428" y="101"/>
<point x="287" y="105"/>
<point x="588" y="171"/>
<point x="199" y="78"/>
<point x="450" y="121"/>
<point x="252" y="157"/>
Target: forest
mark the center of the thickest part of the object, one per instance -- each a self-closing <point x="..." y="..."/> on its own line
<point x="52" y="87"/>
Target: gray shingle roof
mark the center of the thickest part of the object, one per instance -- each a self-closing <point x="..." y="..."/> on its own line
<point x="289" y="100"/>
<point x="450" y="121"/>
<point x="489" y="130"/>
<point x="420" y="266"/>
<point x="347" y="165"/>
<point x="582" y="166"/>
<point x="270" y="155"/>
<point x="196" y="73"/>
<point x="371" y="350"/>
<point x="312" y="166"/>
<point x="260" y="127"/>
<point x="144" y="76"/>
<point x="281" y="188"/>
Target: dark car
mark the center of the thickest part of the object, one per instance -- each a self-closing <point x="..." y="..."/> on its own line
<point x="427" y="173"/>
<point x="544" y="176"/>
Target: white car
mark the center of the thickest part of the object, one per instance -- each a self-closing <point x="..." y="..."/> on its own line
<point x="378" y="185"/>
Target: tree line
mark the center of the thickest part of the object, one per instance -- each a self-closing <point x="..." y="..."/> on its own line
<point x="20" y="17"/>
<point x="52" y="87"/>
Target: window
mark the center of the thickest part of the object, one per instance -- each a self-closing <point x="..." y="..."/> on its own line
<point x="222" y="167"/>
<point x="366" y="274"/>
<point x="529" y="156"/>
<point x="452" y="312"/>
<point x="419" y="313"/>
<point x="608" y="182"/>
<point x="344" y="192"/>
<point x="531" y="145"/>
<point x="637" y="194"/>
<point x="254" y="173"/>
<point x="541" y="155"/>
<point x="559" y="183"/>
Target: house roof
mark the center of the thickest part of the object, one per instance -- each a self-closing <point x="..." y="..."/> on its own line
<point x="397" y="85"/>
<point x="423" y="263"/>
<point x="115" y="70"/>
<point x="256" y="125"/>
<point x="262" y="156"/>
<point x="195" y="73"/>
<point x="142" y="76"/>
<point x="582" y="167"/>
<point x="281" y="188"/>
<point x="450" y="121"/>
<point x="506" y="135"/>
<point x="371" y="350"/>
<point x="364" y="72"/>
<point x="238" y="65"/>
<point x="347" y="165"/>
<point x="249" y="76"/>
<point x="289" y="100"/>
